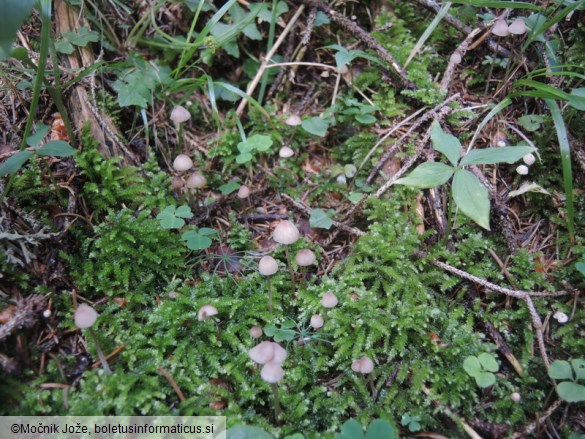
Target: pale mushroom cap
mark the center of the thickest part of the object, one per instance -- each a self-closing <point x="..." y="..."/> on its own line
<point x="179" y="115"/>
<point x="293" y="120"/>
<point x="267" y="266"/>
<point x="244" y="191"/>
<point x="305" y="257"/>
<point x="205" y="312"/>
<point x="255" y="332"/>
<point x="518" y="27"/>
<point x="85" y="316"/>
<point x="196" y="181"/>
<point x="516" y="397"/>
<point x="329" y="300"/>
<point x="279" y="353"/>
<point x="272" y="372"/>
<point x="177" y="183"/>
<point x="262" y="353"/>
<point x="561" y="317"/>
<point x="364" y="365"/>
<point x="285" y="152"/>
<point x="455" y="58"/>
<point x="529" y="159"/>
<point x="522" y="170"/>
<point x="316" y="321"/>
<point x="500" y="28"/>
<point x="182" y="163"/>
<point x="286" y="233"/>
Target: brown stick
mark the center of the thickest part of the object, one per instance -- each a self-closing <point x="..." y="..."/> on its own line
<point x="173" y="384"/>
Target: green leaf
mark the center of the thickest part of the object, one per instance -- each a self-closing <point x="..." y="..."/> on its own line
<point x="580" y="266"/>
<point x="315" y="126"/>
<point x="560" y="370"/>
<point x="427" y="175"/>
<point x="206" y="231"/>
<point x="472" y="366"/>
<point x="184" y="211"/>
<point x="366" y="119"/>
<point x="485" y="379"/>
<point x="195" y="240"/>
<point x="381" y="429"/>
<point x="471" y="197"/>
<point x="499" y="4"/>
<point x="270" y="330"/>
<point x="579" y="368"/>
<point x="41" y="131"/>
<point x="14" y="13"/>
<point x="355" y="197"/>
<point x="446" y="143"/>
<point x="577" y="98"/>
<point x="229" y="187"/>
<point x="528" y="187"/>
<point x="137" y="84"/>
<point x="295" y="436"/>
<point x="82" y="37"/>
<point x="284" y="335"/>
<point x="531" y="122"/>
<point x="243" y="158"/>
<point x="352" y="429"/>
<point x="571" y="392"/>
<point x="14" y="163"/>
<point x="247" y="432"/>
<point x="56" y="148"/>
<point x="349" y="170"/>
<point x="288" y="324"/>
<point x="65" y="47"/>
<point x="488" y="362"/>
<point x="320" y="219"/>
<point x="490" y="156"/>
<point x="169" y="220"/>
<point x="259" y="142"/>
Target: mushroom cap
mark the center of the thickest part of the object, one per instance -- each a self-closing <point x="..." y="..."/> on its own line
<point x="522" y="170"/>
<point x="286" y="233"/>
<point x="293" y="120"/>
<point x="529" y="159"/>
<point x="85" y="316"/>
<point x="516" y="397"/>
<point x="267" y="266"/>
<point x="180" y="114"/>
<point x="316" y="321"/>
<point x="196" y="181"/>
<point x="518" y="27"/>
<point x="305" y="257"/>
<point x="177" y="183"/>
<point x="262" y="353"/>
<point x="329" y="300"/>
<point x="279" y="353"/>
<point x="500" y="28"/>
<point x="205" y="312"/>
<point x="561" y="317"/>
<point x="244" y="191"/>
<point x="455" y="58"/>
<point x="255" y="332"/>
<point x="364" y="365"/>
<point x="285" y="152"/>
<point x="182" y="163"/>
<point x="272" y="372"/>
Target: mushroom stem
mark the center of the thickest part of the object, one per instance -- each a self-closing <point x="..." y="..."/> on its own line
<point x="269" y="294"/>
<point x="290" y="270"/>
<point x="277" y="409"/>
<point x="100" y="353"/>
<point x="180" y="138"/>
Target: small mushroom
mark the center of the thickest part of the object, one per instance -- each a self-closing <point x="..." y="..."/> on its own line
<point x="500" y="28"/>
<point x="561" y="317"/>
<point x="293" y="120"/>
<point x="516" y="397"/>
<point x="255" y="332"/>
<point x="329" y="300"/>
<point x="286" y="233"/>
<point x="522" y="170"/>
<point x="243" y="192"/>
<point x="196" y="181"/>
<point x="206" y="312"/>
<point x="267" y="266"/>
<point x="316" y="321"/>
<point x="364" y="365"/>
<point x="285" y="152"/>
<point x="529" y="159"/>
<point x="177" y="183"/>
<point x="272" y="372"/>
<point x="455" y="58"/>
<point x="180" y="115"/>
<point x="305" y="257"/>
<point x="518" y="27"/>
<point x="182" y="163"/>
<point x="85" y="316"/>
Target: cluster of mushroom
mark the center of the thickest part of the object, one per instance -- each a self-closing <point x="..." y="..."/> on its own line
<point x="502" y="29"/>
<point x="529" y="160"/>
<point x="181" y="164"/>
<point x="270" y="355"/>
